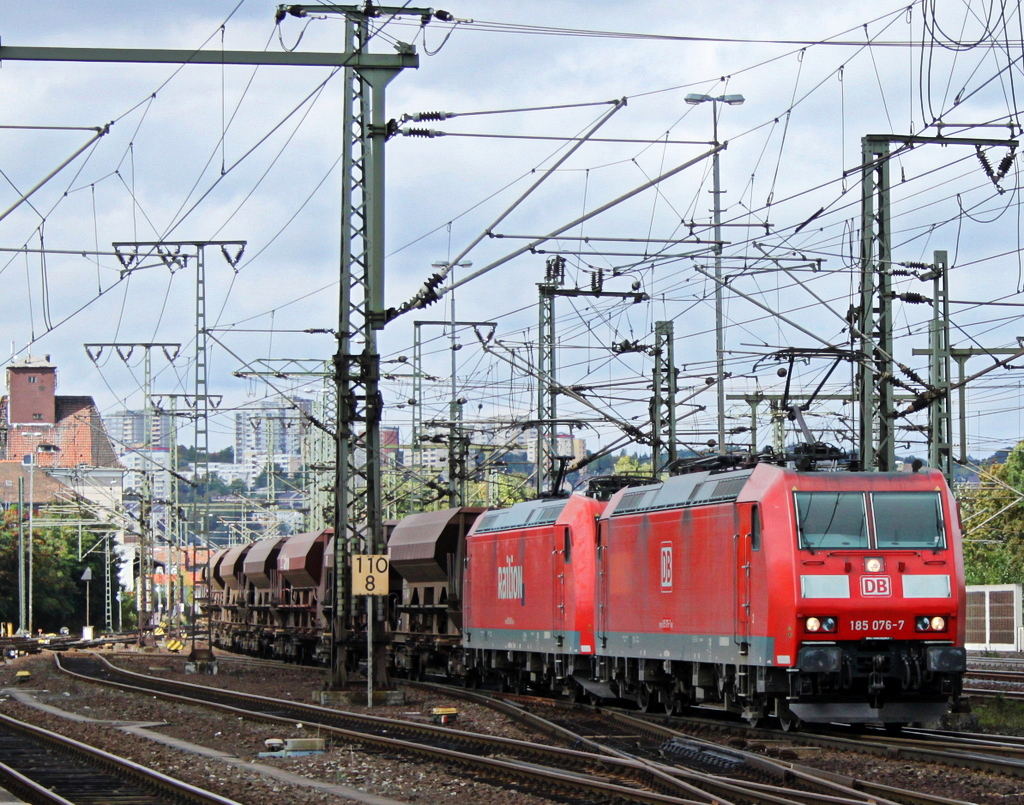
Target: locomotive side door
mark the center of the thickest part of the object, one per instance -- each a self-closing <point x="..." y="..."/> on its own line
<point x="746" y="541"/>
<point x="601" y="587"/>
<point x="562" y="556"/>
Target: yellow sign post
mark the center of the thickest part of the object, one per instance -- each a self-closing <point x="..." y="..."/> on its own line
<point x="370" y="574"/>
<point x="370" y="577"/>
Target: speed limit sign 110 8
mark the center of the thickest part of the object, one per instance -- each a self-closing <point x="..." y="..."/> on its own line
<point x="370" y="574"/>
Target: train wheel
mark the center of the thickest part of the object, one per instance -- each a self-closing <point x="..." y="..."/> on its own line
<point x="651" y="701"/>
<point x="754" y="720"/>
<point x="789" y="723"/>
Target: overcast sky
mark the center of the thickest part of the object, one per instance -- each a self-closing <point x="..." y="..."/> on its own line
<point x="242" y="154"/>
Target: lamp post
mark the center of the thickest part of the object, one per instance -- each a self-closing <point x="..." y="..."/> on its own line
<point x="22" y="623"/>
<point x="30" y="459"/>
<point x="26" y="620"/>
<point x="730" y="100"/>
<point x="87" y="577"/>
<point x="455" y="406"/>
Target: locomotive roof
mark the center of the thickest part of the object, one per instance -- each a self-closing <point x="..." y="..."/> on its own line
<point x="527" y="514"/>
<point x="692" y="489"/>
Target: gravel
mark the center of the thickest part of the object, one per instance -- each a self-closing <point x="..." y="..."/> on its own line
<point x="346" y="773"/>
<point x="373" y="776"/>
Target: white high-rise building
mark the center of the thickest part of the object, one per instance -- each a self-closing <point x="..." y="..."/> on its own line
<point x="127" y="429"/>
<point x="271" y="431"/>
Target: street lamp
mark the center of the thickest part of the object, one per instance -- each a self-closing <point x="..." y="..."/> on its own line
<point x="87" y="577"/>
<point x="730" y="100"/>
<point x="30" y="460"/>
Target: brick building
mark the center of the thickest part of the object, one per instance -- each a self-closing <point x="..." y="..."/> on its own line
<point x="62" y="434"/>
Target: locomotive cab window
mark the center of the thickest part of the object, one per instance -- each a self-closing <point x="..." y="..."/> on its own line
<point x="908" y="520"/>
<point x="831" y="520"/>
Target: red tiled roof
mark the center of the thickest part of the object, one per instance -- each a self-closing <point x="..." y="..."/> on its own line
<point x="42" y="487"/>
<point x="78" y="434"/>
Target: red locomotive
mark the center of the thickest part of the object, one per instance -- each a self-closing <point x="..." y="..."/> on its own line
<point x="528" y="586"/>
<point x="809" y="596"/>
<point x="813" y="597"/>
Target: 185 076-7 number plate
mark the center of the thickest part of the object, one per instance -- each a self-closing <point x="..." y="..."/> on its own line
<point x="879" y="625"/>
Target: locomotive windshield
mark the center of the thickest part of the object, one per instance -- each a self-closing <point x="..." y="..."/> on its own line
<point x="831" y="520"/>
<point x="908" y="520"/>
<point x="901" y="520"/>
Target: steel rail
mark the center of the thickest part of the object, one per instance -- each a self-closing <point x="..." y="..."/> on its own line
<point x="122" y="769"/>
<point x="823" y="785"/>
<point x="531" y="763"/>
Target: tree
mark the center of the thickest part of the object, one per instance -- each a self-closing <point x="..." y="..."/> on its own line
<point x="632" y="465"/>
<point x="58" y="595"/>
<point x="993" y="520"/>
<point x="187" y="455"/>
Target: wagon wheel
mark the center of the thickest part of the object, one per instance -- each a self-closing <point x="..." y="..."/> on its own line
<point x="679" y="703"/>
<point x="789" y="723"/>
<point x="650" y="700"/>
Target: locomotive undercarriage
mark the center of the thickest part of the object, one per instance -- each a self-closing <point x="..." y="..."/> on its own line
<point x="673" y="685"/>
<point x="522" y="671"/>
<point x="876" y="680"/>
<point x="856" y="682"/>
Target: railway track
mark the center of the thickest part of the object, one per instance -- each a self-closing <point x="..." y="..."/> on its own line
<point x="595" y="754"/>
<point x="661" y="737"/>
<point x="49" y="769"/>
<point x="540" y="769"/>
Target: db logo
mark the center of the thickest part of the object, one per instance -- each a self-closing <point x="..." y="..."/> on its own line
<point x="875" y="585"/>
<point x="666" y="567"/>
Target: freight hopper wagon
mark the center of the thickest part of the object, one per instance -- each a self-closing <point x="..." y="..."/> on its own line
<point x="528" y="616"/>
<point x="426" y="551"/>
<point x="272" y="597"/>
<point x="813" y="597"/>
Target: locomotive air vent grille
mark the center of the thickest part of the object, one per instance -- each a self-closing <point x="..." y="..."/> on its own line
<point x="545" y="515"/>
<point x="487" y="523"/>
<point x="630" y="502"/>
<point x="520" y="517"/>
<point x="675" y="496"/>
<point x="729" y="489"/>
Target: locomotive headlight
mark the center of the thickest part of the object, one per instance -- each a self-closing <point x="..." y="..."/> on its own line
<point x="824" y="624"/>
<point x="930" y="623"/>
<point x="813" y="625"/>
<point x="874" y="564"/>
